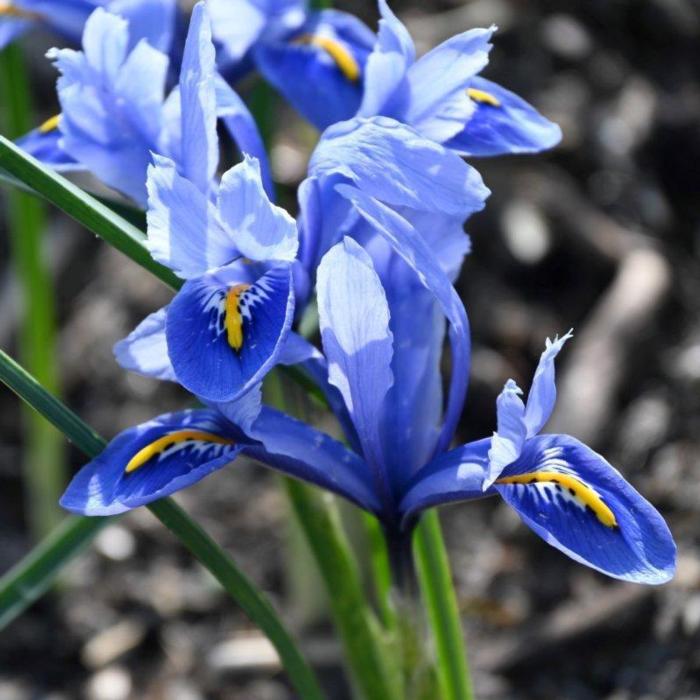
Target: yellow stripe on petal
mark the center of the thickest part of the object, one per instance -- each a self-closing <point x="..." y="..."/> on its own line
<point x="582" y="492"/>
<point x="158" y="446"/>
<point x="7" y="9"/>
<point x="233" y="320"/>
<point x="483" y="97"/>
<point x="342" y="58"/>
<point x="50" y="124"/>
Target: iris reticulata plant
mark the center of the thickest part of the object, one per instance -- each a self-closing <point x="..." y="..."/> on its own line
<point x="376" y="245"/>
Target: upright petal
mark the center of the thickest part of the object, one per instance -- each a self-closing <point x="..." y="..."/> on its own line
<point x="439" y="106"/>
<point x="242" y="128"/>
<point x="385" y="80"/>
<point x="543" y="392"/>
<point x="261" y="230"/>
<point x="409" y="244"/>
<point x="184" y="231"/>
<point x="503" y="123"/>
<point x="319" y="69"/>
<point x="151" y="461"/>
<point x="572" y="498"/>
<point x="354" y="322"/>
<point x="224" y="330"/>
<point x="145" y="349"/>
<point x="152" y="20"/>
<point x="508" y="440"/>
<point x="200" y="143"/>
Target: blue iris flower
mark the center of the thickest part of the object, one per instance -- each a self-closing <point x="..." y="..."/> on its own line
<point x="115" y="113"/>
<point x="382" y="342"/>
<point x="153" y="20"/>
<point x="316" y="59"/>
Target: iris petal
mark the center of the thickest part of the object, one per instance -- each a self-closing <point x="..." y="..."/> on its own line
<point x="176" y="450"/>
<point x="220" y="346"/>
<point x="635" y="545"/>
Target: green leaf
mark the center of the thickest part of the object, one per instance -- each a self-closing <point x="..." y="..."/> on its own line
<point x="26" y="581"/>
<point x="84" y="208"/>
<point x="443" y="612"/>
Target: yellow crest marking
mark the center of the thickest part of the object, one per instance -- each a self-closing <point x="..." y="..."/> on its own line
<point x="233" y="319"/>
<point x="483" y="97"/>
<point x="161" y="444"/>
<point x="584" y="493"/>
<point x="50" y="124"/>
<point x="7" y="9"/>
<point x="343" y="59"/>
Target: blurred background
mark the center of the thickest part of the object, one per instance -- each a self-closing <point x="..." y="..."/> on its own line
<point x="602" y="234"/>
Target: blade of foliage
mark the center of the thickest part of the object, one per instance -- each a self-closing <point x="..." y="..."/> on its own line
<point x="443" y="612"/>
<point x="42" y="461"/>
<point x="82" y="207"/>
<point x="68" y="541"/>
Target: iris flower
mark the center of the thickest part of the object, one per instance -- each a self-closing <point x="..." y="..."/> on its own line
<point x="314" y="58"/>
<point x="153" y="20"/>
<point x="114" y="112"/>
<point x="387" y="389"/>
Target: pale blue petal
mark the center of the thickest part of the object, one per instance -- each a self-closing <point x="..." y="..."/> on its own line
<point x="261" y="230"/>
<point x="145" y="349"/>
<point x="543" y="392"/>
<point x="152" y="20"/>
<point x="357" y="341"/>
<point x="508" y="440"/>
<point x="200" y="143"/>
<point x="184" y="232"/>
<point x="439" y="106"/>
<point x="385" y="74"/>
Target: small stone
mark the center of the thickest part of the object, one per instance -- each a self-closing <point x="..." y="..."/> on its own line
<point x="109" y="644"/>
<point x="113" y="683"/>
<point x="245" y="652"/>
<point x="115" y="542"/>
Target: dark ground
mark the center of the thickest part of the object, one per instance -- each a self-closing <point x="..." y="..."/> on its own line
<point x="602" y="235"/>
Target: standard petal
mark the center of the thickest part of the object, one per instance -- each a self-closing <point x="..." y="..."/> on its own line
<point x="184" y="232"/>
<point x="319" y="70"/>
<point x="224" y="332"/>
<point x="456" y="475"/>
<point x="357" y="341"/>
<point x="261" y="230"/>
<point x="439" y="106"/>
<point x="412" y="248"/>
<point x="385" y="85"/>
<point x="306" y="453"/>
<point x="200" y="143"/>
<point x="151" y="461"/>
<point x="152" y="20"/>
<point x="543" y="392"/>
<point x="396" y="165"/>
<point x="503" y="123"/>
<point x="145" y="350"/>
<point x="508" y="440"/>
<point x="243" y="129"/>
<point x="572" y="498"/>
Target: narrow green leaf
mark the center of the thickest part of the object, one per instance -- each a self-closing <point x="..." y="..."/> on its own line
<point x="43" y="463"/>
<point x="82" y="207"/>
<point x="443" y="612"/>
<point x="32" y="576"/>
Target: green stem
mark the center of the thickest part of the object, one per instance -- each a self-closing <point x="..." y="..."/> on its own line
<point x="43" y="464"/>
<point x="365" y="650"/>
<point x="443" y="612"/>
<point x="15" y="595"/>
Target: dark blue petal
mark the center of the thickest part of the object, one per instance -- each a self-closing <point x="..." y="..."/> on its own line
<point x="319" y="70"/>
<point x="199" y="332"/>
<point x="201" y="443"/>
<point x="504" y="125"/>
<point x="456" y="475"/>
<point x="301" y="451"/>
<point x="572" y="498"/>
